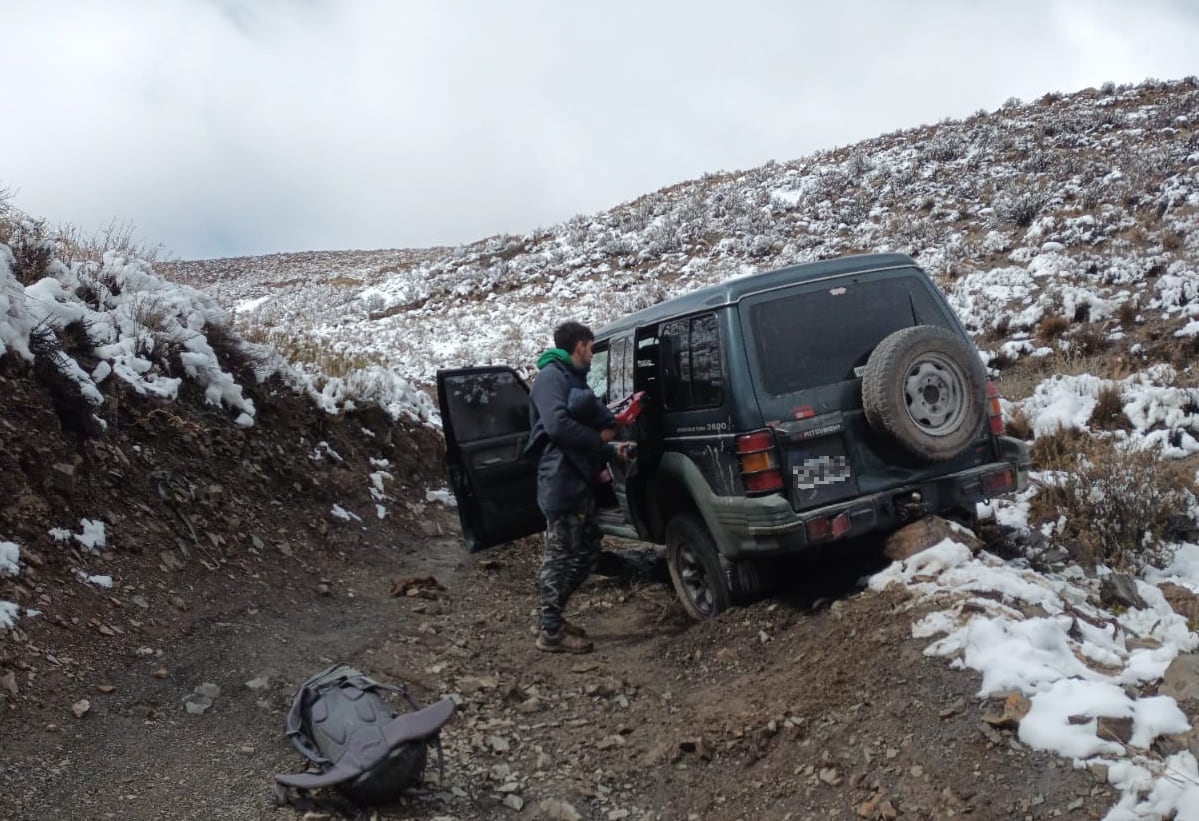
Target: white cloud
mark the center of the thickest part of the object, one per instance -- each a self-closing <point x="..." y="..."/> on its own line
<point x="225" y="127"/>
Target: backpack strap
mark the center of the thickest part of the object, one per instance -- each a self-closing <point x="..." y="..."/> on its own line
<point x="307" y="693"/>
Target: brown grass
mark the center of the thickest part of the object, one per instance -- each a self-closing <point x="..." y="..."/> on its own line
<point x="1088" y="340"/>
<point x="1173" y="241"/>
<point x="1050" y="328"/>
<point x="306" y="351"/>
<point x="1017" y="424"/>
<point x="1109" y="410"/>
<point x="1058" y="450"/>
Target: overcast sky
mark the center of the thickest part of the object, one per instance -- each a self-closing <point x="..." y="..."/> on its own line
<point x="232" y="127"/>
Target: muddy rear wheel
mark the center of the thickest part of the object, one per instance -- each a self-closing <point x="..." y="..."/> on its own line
<point x="696" y="569"/>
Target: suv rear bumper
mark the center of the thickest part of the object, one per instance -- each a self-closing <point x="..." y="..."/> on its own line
<point x="768" y="525"/>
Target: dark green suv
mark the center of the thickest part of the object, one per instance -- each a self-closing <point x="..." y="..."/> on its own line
<point x="782" y="410"/>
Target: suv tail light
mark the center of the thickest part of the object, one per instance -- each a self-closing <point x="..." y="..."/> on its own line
<point x="1003" y="481"/>
<point x="994" y="412"/>
<point x="832" y="527"/>
<point x="759" y="462"/>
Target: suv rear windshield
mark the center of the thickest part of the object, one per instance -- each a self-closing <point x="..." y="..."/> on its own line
<point x="818" y="336"/>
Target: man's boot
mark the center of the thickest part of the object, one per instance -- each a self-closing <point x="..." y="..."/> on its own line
<point x="563" y="642"/>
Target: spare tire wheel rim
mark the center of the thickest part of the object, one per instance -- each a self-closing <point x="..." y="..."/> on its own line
<point x="934" y="391"/>
<point x="695" y="578"/>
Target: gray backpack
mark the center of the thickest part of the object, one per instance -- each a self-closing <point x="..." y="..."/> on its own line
<point x="357" y="741"/>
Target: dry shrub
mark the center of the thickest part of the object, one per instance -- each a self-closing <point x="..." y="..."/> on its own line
<point x="1173" y="241"/>
<point x="1022" y="209"/>
<point x="1017" y="423"/>
<point x="1002" y="326"/>
<point x="1119" y="504"/>
<point x="232" y="354"/>
<point x="1109" y="410"/>
<point x="1126" y="314"/>
<point x="31" y="247"/>
<point x="155" y="341"/>
<point x="1002" y="360"/>
<point x="1058" y="450"/>
<point x="301" y="350"/>
<point x="1050" y="328"/>
<point x="74" y="246"/>
<point x="1088" y="340"/>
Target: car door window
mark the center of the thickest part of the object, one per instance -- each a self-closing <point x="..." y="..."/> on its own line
<point x="706" y="372"/>
<point x="620" y="370"/>
<point x="692" y="370"/>
<point x="597" y="377"/>
<point x="487" y="405"/>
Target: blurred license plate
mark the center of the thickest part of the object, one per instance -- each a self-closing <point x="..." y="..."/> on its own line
<point x="820" y="470"/>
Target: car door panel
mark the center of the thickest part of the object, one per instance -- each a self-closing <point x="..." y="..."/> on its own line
<point x="485" y="417"/>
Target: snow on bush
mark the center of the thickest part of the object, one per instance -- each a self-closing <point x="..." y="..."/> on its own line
<point x="1158" y="414"/>
<point x="10" y="558"/>
<point x="152" y="334"/>
<point x="141" y="327"/>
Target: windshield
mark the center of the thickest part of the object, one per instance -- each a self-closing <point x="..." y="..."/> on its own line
<point x="819" y="335"/>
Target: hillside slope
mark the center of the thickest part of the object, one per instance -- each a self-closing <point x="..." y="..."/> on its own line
<point x="1083" y="206"/>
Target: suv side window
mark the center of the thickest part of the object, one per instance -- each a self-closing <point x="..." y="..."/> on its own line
<point x="692" y="371"/>
<point x="620" y="369"/>
<point x="597" y="377"/>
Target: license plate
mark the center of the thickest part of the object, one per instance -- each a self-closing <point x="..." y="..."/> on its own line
<point x="821" y="470"/>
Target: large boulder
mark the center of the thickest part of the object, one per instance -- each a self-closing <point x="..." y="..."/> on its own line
<point x="923" y="534"/>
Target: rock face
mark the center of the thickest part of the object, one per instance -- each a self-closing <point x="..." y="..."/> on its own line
<point x="921" y="535"/>
<point x="1184" y="602"/>
<point x="1120" y="589"/>
<point x="1181" y="681"/>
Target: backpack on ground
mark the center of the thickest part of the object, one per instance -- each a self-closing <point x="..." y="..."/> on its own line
<point x="356" y="740"/>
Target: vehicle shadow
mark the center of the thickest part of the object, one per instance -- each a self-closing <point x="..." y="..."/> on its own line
<point x="820" y="576"/>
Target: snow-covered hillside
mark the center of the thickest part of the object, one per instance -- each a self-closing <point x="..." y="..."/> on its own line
<point x="1083" y="206"/>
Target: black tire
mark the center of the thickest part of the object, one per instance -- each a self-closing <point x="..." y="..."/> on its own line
<point x="696" y="568"/>
<point x="925" y="388"/>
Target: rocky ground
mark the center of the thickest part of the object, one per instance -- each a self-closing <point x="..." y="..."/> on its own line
<point x="164" y="696"/>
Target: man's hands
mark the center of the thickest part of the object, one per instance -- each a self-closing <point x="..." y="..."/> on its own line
<point x="621" y="451"/>
<point x="624" y="451"/>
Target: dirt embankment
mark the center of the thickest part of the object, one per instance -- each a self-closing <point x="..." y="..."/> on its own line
<point x="229" y="568"/>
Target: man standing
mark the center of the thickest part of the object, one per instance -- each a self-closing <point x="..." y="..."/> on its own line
<point x="572" y="431"/>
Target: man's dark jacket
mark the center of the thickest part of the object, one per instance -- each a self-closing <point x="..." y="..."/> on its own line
<point x="566" y="420"/>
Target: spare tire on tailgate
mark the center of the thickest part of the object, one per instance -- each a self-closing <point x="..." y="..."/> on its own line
<point x="925" y="387"/>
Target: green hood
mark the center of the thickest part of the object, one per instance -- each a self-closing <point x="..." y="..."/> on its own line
<point x="554" y="355"/>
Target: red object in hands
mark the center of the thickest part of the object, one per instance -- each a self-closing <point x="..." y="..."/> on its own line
<point x="631" y="411"/>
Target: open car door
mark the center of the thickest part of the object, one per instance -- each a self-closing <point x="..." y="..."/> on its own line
<point x="485" y="417"/>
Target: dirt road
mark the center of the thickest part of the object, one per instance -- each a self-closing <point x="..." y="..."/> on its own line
<point x="773" y="711"/>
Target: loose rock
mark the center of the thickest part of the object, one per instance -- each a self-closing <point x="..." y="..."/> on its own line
<point x="555" y="809"/>
<point x="1181" y="680"/>
<point x="1120" y="588"/>
<point x="923" y="534"/>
